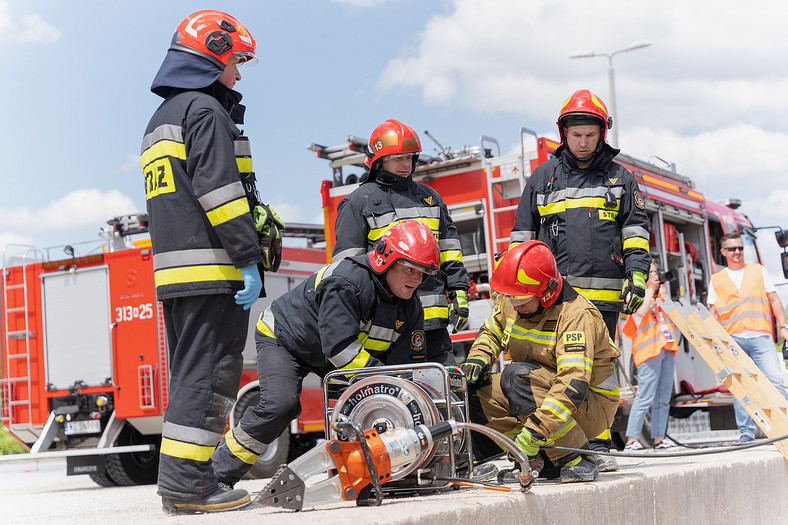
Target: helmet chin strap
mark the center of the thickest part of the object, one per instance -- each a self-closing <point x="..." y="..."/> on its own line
<point x="538" y="311"/>
<point x="591" y="156"/>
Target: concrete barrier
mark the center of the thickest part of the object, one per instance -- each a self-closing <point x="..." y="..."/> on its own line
<point x="743" y="487"/>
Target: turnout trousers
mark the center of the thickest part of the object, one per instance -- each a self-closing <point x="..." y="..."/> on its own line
<point x="205" y="337"/>
<point x="281" y="377"/>
<point x="529" y="390"/>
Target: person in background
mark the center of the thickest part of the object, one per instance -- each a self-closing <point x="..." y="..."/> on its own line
<point x="387" y="195"/>
<point x="742" y="298"/>
<point x="654" y="348"/>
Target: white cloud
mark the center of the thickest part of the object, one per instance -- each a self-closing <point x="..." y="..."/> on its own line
<point x="37" y="31"/>
<point x="79" y="209"/>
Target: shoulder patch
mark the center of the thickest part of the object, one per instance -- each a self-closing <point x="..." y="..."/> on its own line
<point x="613" y="180"/>
<point x="398" y="324"/>
<point x="428" y="200"/>
<point x="637" y="197"/>
<point x="417" y="341"/>
<point x="574" y="338"/>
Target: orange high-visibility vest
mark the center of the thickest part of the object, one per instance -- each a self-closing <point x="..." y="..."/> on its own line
<point x="745" y="309"/>
<point x="650" y="336"/>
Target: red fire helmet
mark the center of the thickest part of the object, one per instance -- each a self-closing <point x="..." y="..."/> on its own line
<point x="528" y="270"/>
<point x="215" y="35"/>
<point x="583" y="103"/>
<point x="408" y="242"/>
<point x="392" y="138"/>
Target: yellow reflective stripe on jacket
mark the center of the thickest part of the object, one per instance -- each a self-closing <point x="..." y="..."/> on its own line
<point x="244" y="164"/>
<point x="358" y="362"/>
<point x="636" y="242"/>
<point x="579" y="360"/>
<point x="436" y="312"/>
<point x="163" y="148"/>
<point x="612" y="392"/>
<point x="239" y="450"/>
<point x="451" y="255"/>
<point x="568" y="204"/>
<point x="179" y="449"/>
<point x="600" y="295"/>
<point x="373" y="344"/>
<point x="375" y="233"/>
<point x="194" y="274"/>
<point x="228" y="211"/>
<point x="536" y="336"/>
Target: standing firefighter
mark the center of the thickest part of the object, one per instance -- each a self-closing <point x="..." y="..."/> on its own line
<point x="199" y="187"/>
<point x="388" y="195"/>
<point x="591" y="214"/>
<point x="561" y="387"/>
<point x="357" y="312"/>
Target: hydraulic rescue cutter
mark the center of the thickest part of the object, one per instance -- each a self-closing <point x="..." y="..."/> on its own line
<point x="388" y="426"/>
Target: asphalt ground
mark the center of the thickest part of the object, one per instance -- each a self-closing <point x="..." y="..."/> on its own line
<point x="739" y="486"/>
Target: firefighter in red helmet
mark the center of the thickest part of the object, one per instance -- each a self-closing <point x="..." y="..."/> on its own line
<point x="561" y="387"/>
<point x="358" y="312"/>
<point x="387" y="195"/>
<point x="211" y="237"/>
<point x="591" y="214"/>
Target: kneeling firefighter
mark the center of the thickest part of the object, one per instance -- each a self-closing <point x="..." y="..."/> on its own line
<point x="358" y="312"/>
<point x="561" y="387"/>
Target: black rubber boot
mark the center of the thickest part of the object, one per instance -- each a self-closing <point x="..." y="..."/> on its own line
<point x="222" y="499"/>
<point x="582" y="468"/>
<point x="603" y="463"/>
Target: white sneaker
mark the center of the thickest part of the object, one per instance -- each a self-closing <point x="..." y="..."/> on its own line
<point x="634" y="447"/>
<point x="665" y="444"/>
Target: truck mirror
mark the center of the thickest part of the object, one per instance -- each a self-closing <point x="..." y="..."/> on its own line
<point x="784" y="256"/>
<point x="782" y="238"/>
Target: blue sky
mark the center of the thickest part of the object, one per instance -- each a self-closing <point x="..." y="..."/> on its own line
<point x="707" y="95"/>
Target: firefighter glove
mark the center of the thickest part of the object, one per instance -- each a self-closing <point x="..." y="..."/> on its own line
<point x="458" y="309"/>
<point x="253" y="285"/>
<point x="474" y="368"/>
<point x="269" y="227"/>
<point x="634" y="291"/>
<point x="526" y="441"/>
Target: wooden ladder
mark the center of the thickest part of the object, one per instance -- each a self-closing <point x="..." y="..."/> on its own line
<point x="732" y="367"/>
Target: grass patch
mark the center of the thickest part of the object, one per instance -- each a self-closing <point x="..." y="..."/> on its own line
<point x="9" y="445"/>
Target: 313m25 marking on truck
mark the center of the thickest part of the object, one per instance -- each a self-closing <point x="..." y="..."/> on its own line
<point x="130" y="313"/>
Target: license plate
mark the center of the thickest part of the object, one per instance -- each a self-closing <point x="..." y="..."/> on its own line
<point x="87" y="426"/>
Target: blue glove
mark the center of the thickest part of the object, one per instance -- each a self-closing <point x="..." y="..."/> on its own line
<point x="525" y="440"/>
<point x="253" y="285"/>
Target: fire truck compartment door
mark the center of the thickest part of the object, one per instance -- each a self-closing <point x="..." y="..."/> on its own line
<point x="77" y="327"/>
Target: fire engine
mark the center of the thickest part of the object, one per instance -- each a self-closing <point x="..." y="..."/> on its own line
<point x="83" y="361"/>
<point x="482" y="187"/>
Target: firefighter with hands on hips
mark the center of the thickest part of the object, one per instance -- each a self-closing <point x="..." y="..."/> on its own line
<point x="743" y="299"/>
<point x="561" y="387"/>
<point x="590" y="212"/>
<point x="387" y="195"/>
<point x="206" y="248"/>
<point x="357" y="312"/>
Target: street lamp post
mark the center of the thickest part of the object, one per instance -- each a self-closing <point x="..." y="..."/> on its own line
<point x="611" y="81"/>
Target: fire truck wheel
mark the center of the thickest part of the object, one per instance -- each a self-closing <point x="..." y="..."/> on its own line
<point x="134" y="468"/>
<point x="102" y="480"/>
<point x="274" y="454"/>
